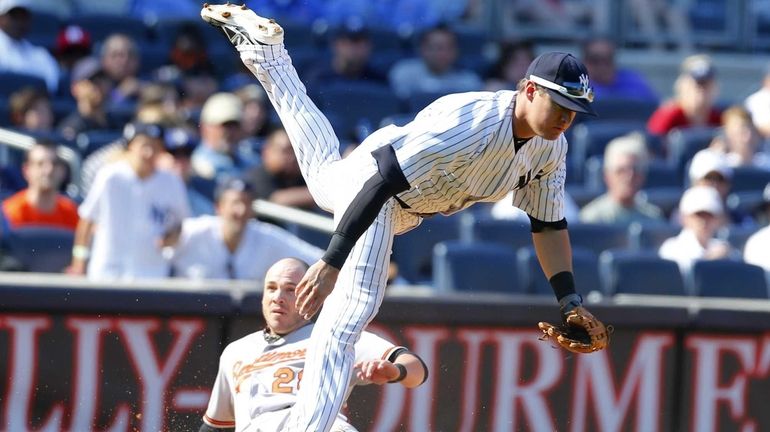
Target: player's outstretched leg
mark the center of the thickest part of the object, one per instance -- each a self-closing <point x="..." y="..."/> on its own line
<point x="260" y="44"/>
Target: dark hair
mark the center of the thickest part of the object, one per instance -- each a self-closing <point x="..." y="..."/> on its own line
<point x="232" y="183"/>
<point x="507" y="50"/>
<point x="22" y="100"/>
<point x="438" y="28"/>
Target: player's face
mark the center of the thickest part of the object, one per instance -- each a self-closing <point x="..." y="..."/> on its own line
<point x="547" y="118"/>
<point x="278" y="297"/>
<point x="235" y="207"/>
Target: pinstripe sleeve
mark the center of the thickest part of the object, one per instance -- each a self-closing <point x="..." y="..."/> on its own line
<point x="543" y="197"/>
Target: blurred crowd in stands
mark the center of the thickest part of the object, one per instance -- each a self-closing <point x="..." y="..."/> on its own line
<point x="176" y="139"/>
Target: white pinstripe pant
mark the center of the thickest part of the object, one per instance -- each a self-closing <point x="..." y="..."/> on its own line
<point x="333" y="183"/>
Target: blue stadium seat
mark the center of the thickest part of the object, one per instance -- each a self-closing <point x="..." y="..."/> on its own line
<point x="357" y="101"/>
<point x="737" y="236"/>
<point x="474" y="267"/>
<point x="650" y="237"/>
<point x="749" y="179"/>
<point x="591" y="138"/>
<point x="665" y="198"/>
<point x="598" y="237"/>
<point x="632" y="272"/>
<point x="584" y="265"/>
<point x="682" y="144"/>
<point x="659" y="174"/>
<point x="397" y="119"/>
<point x="620" y="109"/>
<point x="5" y="112"/>
<point x="43" y="29"/>
<point x="90" y="141"/>
<point x="103" y="25"/>
<point x="417" y="101"/>
<point x="727" y="278"/>
<point x="12" y="81"/>
<point x="40" y="249"/>
<point x="413" y="251"/>
<point x="746" y="202"/>
<point x="312" y="236"/>
<point x="510" y="233"/>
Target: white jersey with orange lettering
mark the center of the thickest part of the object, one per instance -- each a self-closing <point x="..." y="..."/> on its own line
<point x="258" y="380"/>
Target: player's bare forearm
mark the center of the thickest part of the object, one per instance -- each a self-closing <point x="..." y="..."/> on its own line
<point x="81" y="247"/>
<point x="553" y="251"/>
<point x="383" y="371"/>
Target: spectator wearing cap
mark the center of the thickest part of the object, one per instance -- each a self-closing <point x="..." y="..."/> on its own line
<point x="119" y="60"/>
<point x="278" y="178"/>
<point x="702" y="215"/>
<point x="18" y="54"/>
<point x="709" y="168"/>
<point x="40" y="203"/>
<point x="610" y="81"/>
<point x="31" y="110"/>
<point x="695" y="92"/>
<point x="219" y="153"/>
<point x="757" y="250"/>
<point x="232" y="244"/>
<point x="180" y="144"/>
<point x="351" y="49"/>
<point x="73" y="43"/>
<point x="740" y="141"/>
<point x="435" y="71"/>
<point x="625" y="171"/>
<point x="758" y="104"/>
<point x="90" y="88"/>
<point x="129" y="213"/>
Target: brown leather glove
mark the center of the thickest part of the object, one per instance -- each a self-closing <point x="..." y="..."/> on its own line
<point x="580" y="333"/>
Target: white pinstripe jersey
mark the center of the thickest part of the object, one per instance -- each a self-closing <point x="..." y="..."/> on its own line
<point x="259" y="378"/>
<point x="460" y="150"/>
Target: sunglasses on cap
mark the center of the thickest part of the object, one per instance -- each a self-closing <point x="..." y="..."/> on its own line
<point x="571" y="90"/>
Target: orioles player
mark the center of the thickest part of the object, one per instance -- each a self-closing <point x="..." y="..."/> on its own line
<point x="259" y="375"/>
<point x="461" y="149"/>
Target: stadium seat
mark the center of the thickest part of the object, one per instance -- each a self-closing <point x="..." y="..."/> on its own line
<point x="12" y="81"/>
<point x="90" y="141"/>
<point x="397" y="119"/>
<point x="747" y="179"/>
<point x="40" y="249"/>
<point x="633" y="272"/>
<point x="358" y="101"/>
<point x="620" y="109"/>
<point x="474" y="267"/>
<point x="650" y="237"/>
<point x="665" y="198"/>
<point x="737" y="236"/>
<point x="590" y="138"/>
<point x="102" y="26"/>
<point x="533" y="281"/>
<point x="727" y="278"/>
<point x="598" y="237"/>
<point x="312" y="236"/>
<point x="43" y="29"/>
<point x="413" y="251"/>
<point x="746" y="202"/>
<point x="661" y="174"/>
<point x="510" y="233"/>
<point x="682" y="144"/>
<point x="417" y="101"/>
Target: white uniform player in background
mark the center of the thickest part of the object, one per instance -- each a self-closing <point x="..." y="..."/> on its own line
<point x="461" y="149"/>
<point x="260" y="374"/>
<point x="128" y="212"/>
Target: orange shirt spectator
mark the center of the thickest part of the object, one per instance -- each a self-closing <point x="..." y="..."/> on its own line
<point x="20" y="212"/>
<point x="40" y="203"/>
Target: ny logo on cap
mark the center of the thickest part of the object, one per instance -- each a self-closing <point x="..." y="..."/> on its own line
<point x="584" y="82"/>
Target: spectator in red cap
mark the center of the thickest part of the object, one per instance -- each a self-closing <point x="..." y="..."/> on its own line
<point x="72" y="45"/>
<point x="18" y="54"/>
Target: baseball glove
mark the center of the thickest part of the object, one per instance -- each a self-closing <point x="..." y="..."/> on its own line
<point x="580" y="333"/>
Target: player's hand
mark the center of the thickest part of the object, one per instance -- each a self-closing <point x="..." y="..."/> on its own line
<point x="376" y="371"/>
<point x="314" y="287"/>
<point x="76" y="268"/>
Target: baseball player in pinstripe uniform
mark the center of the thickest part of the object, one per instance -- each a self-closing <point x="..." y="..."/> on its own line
<point x="259" y="374"/>
<point x="461" y="149"/>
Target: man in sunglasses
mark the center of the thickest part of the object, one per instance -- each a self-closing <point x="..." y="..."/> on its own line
<point x="463" y="148"/>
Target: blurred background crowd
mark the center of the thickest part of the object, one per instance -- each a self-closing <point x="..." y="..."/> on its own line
<point x="150" y="141"/>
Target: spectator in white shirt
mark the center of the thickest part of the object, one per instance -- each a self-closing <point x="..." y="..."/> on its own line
<point x="233" y="245"/>
<point x="758" y="104"/>
<point x="757" y="250"/>
<point x="17" y="54"/>
<point x="702" y="215"/>
<point x="129" y="212"/>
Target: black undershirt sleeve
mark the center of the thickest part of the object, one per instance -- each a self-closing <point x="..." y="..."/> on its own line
<point x="387" y="182"/>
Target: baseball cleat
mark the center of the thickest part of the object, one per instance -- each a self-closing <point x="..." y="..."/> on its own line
<point x="241" y="25"/>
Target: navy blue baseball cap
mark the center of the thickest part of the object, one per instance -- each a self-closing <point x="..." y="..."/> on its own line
<point x="566" y="80"/>
<point x="179" y="140"/>
<point x="134" y="129"/>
